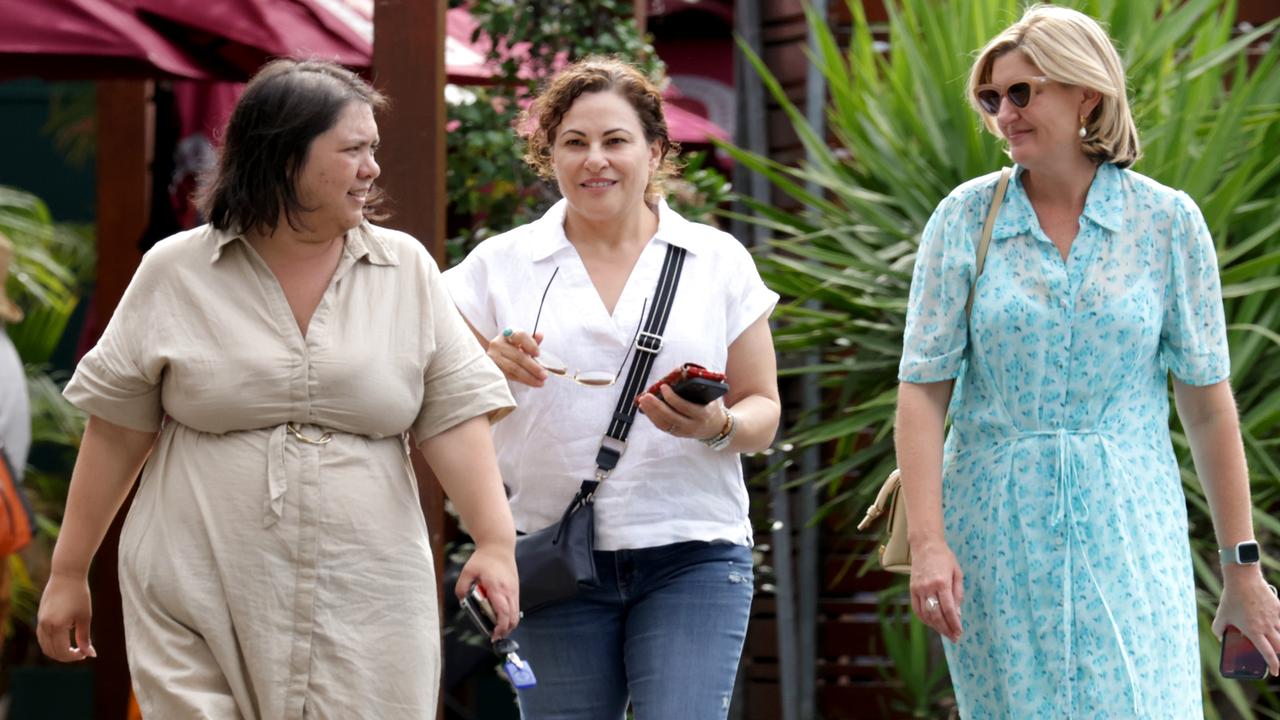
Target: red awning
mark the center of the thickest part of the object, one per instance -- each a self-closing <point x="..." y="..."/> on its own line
<point x="465" y="61"/>
<point x="689" y="128"/>
<point x="247" y="33"/>
<point x="85" y="40"/>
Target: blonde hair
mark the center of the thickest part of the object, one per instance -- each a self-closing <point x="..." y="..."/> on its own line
<point x="1071" y="48"/>
<point x="591" y="75"/>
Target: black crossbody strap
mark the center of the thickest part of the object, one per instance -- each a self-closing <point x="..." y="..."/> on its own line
<point x="648" y="344"/>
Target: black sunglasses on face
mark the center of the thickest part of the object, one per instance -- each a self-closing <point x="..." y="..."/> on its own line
<point x="1020" y="92"/>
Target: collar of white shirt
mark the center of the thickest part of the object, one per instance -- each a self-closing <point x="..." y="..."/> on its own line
<point x="549" y="238"/>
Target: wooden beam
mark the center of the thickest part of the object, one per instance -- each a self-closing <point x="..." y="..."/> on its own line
<point x="126" y="139"/>
<point x="408" y="66"/>
<point x="126" y="132"/>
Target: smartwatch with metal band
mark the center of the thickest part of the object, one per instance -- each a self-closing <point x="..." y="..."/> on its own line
<point x="1245" y="553"/>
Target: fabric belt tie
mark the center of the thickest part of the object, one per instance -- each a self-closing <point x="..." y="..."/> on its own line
<point x="277" y="476"/>
<point x="1069" y="508"/>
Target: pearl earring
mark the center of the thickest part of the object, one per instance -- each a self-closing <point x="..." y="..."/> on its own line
<point x="1083" y="132"/>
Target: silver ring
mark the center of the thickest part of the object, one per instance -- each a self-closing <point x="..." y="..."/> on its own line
<point x="671" y="429"/>
<point x="931" y="603"/>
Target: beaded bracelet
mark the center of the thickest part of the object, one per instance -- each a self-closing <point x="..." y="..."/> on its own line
<point x="722" y="440"/>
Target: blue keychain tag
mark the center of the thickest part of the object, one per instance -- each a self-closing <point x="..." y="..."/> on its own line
<point x="520" y="672"/>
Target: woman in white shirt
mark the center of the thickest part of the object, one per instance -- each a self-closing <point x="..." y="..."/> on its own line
<point x="664" y="630"/>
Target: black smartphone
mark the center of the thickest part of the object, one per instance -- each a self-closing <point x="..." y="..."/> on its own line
<point x="480" y="611"/>
<point x="1240" y="659"/>
<point x="700" y="390"/>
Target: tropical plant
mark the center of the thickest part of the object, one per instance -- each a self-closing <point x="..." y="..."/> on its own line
<point x="52" y="261"/>
<point x="1206" y="95"/>
<point x="913" y="654"/>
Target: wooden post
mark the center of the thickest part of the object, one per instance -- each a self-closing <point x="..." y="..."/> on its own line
<point x="126" y="129"/>
<point x="408" y="66"/>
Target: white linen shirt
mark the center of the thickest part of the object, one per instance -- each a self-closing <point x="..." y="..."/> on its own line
<point x="665" y="489"/>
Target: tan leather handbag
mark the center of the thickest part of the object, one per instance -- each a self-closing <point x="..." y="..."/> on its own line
<point x="895" y="552"/>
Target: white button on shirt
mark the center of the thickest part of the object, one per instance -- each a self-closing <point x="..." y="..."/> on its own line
<point x="664" y="489"/>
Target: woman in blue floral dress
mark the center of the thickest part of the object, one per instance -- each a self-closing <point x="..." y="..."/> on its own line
<point x="1053" y="520"/>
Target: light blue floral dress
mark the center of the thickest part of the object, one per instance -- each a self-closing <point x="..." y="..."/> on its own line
<point x="1062" y="498"/>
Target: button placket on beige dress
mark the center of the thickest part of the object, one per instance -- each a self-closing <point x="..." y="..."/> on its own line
<point x="265" y="576"/>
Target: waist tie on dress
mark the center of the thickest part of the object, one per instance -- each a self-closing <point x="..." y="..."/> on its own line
<point x="1069" y="507"/>
<point x="277" y="478"/>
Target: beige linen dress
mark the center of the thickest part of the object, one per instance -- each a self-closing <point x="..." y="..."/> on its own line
<point x="265" y="576"/>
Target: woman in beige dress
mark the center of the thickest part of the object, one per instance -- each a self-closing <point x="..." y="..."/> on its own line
<point x="269" y="369"/>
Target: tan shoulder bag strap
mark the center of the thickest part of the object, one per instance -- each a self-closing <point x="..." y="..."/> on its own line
<point x="987" y="227"/>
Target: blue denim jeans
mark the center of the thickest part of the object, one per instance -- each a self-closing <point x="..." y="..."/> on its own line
<point x="664" y="630"/>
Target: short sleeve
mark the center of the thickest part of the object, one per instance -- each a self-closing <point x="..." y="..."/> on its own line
<point x="119" y="379"/>
<point x="749" y="299"/>
<point x="468" y="285"/>
<point x="936" y="332"/>
<point x="460" y="381"/>
<point x="1193" y="341"/>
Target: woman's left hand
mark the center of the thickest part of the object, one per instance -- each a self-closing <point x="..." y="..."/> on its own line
<point x="1250" y="605"/>
<point x="681" y="418"/>
<point x="494" y="570"/>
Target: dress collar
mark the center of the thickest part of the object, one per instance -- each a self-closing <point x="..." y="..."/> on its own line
<point x="362" y="242"/>
<point x="1103" y="206"/>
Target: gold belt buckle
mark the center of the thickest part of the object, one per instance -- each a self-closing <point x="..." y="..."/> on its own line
<point x="310" y="441"/>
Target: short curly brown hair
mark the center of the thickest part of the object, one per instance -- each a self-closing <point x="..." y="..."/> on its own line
<point x="591" y="75"/>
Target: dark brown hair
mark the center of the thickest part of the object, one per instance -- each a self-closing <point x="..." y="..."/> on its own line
<point x="282" y="110"/>
<point x="591" y="75"/>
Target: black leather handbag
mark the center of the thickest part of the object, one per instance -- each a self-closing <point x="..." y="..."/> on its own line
<point x="557" y="562"/>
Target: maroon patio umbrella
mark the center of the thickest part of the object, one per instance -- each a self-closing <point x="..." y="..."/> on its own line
<point x="246" y="33"/>
<point x="85" y="40"/>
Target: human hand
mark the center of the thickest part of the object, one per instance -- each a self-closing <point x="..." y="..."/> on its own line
<point x="513" y="351"/>
<point x="494" y="570"/>
<point x="937" y="588"/>
<point x="1250" y="605"/>
<point x="676" y="416"/>
<point x="65" y="607"/>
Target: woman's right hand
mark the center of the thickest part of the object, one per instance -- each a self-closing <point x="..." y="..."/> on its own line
<point x="514" y="355"/>
<point x="937" y="588"/>
<point x="65" y="607"/>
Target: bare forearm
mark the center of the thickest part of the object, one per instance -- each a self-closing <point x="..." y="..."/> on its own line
<point x="755" y="423"/>
<point x="463" y="460"/>
<point x="918" y="439"/>
<point x="1213" y="430"/>
<point x="752" y="372"/>
<point x="109" y="460"/>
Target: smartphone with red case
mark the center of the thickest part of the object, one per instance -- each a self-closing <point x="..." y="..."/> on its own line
<point x="1240" y="659"/>
<point x="693" y="383"/>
